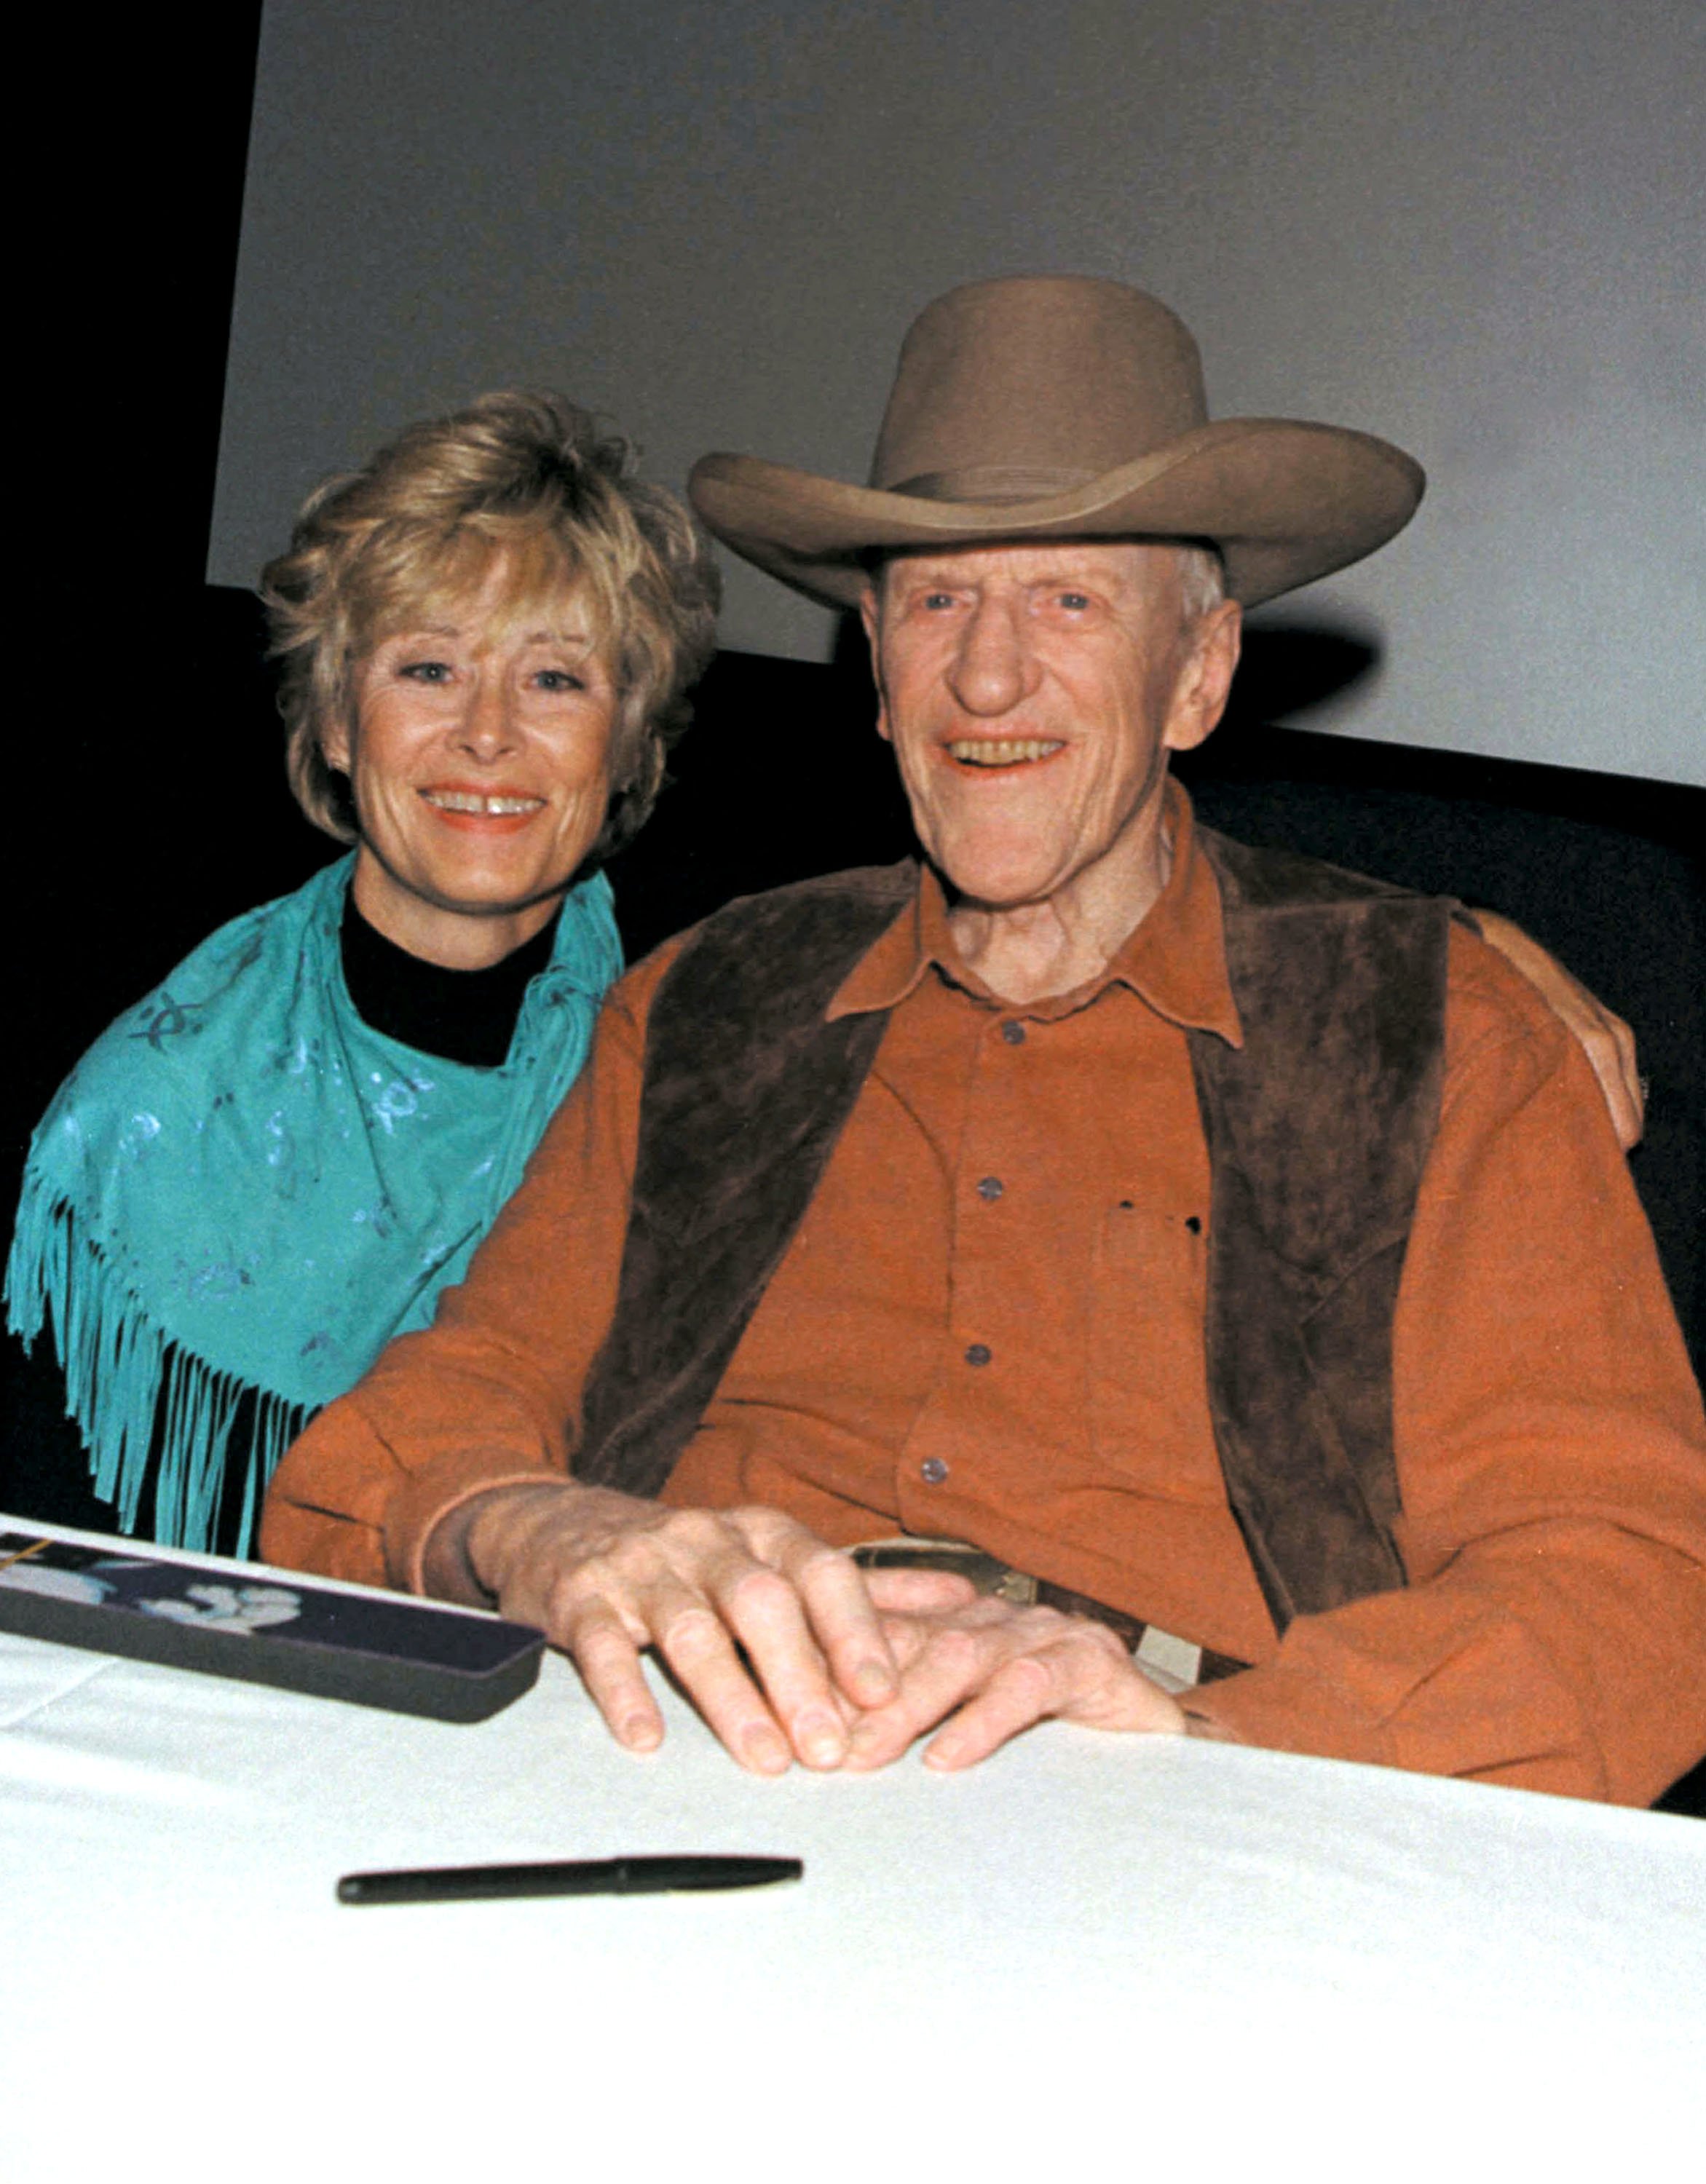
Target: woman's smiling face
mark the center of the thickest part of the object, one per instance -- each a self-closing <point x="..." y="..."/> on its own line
<point x="480" y="769"/>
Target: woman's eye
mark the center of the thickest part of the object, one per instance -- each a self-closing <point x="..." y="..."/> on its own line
<point x="424" y="670"/>
<point x="555" y="679"/>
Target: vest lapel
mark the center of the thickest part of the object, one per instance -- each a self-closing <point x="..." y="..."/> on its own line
<point x="747" y="1088"/>
<point x="1318" y="1131"/>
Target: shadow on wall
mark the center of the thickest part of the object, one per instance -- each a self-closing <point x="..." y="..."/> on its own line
<point x="1291" y="668"/>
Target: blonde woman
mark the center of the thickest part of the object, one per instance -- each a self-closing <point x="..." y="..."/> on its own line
<point x="277" y="1160"/>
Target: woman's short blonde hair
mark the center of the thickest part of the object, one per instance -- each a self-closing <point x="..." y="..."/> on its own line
<point x="533" y="478"/>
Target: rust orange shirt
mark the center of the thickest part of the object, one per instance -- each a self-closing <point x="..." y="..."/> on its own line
<point x="989" y="1325"/>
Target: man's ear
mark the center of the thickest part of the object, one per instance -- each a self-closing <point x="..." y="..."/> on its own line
<point x="870" y="614"/>
<point x="1206" y="682"/>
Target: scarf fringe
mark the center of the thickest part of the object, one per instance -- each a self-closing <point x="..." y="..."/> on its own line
<point x="129" y="1387"/>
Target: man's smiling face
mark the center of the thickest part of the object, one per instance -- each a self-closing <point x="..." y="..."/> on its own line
<point x="1031" y="694"/>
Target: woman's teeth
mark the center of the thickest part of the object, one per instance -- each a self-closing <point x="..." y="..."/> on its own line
<point x="494" y="807"/>
<point x="1009" y="753"/>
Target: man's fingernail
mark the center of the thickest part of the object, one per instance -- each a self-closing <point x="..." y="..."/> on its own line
<point x="640" y="1733"/>
<point x="765" y="1749"/>
<point x="875" y="1680"/>
<point x="863" y="1738"/>
<point x="820" y="1740"/>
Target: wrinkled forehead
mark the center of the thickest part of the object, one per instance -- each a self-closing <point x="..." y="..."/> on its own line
<point x="1140" y="570"/>
<point x="471" y="581"/>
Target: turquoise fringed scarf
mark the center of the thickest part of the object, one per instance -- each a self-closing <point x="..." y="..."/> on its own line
<point x="241" y="1188"/>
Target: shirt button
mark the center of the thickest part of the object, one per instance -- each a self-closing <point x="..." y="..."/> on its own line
<point x="990" y="1188"/>
<point x="978" y="1354"/>
<point x="932" y="1471"/>
<point x="1014" y="1033"/>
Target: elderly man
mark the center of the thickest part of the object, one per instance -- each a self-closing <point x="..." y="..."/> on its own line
<point x="1233" y="1252"/>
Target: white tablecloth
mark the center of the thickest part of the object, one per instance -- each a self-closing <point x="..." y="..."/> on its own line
<point x="1092" y="1950"/>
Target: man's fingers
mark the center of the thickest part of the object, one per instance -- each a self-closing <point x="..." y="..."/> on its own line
<point x="609" y="1661"/>
<point x="1019" y="1694"/>
<point x="846" y="1605"/>
<point x="807" y="1617"/>
<point x="842" y="1607"/>
<point x="690" y="1634"/>
<point x="604" y="1629"/>
<point x="988" y="1671"/>
<point x="943" y="1663"/>
<point x="793" y="1629"/>
<point x="919" y="1591"/>
<point x="1077" y="1679"/>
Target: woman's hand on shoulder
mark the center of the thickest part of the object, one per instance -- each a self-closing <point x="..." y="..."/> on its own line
<point x="1602" y="1034"/>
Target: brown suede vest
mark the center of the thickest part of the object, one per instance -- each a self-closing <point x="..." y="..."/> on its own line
<point x="1317" y="1130"/>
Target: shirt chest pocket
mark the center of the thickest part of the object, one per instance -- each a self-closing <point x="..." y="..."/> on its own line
<point x="1148" y="1392"/>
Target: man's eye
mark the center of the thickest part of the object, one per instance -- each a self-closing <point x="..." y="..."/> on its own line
<point x="1075" y="602"/>
<point x="935" y="602"/>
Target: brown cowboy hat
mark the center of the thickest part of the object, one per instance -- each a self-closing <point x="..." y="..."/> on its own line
<point x="1066" y="407"/>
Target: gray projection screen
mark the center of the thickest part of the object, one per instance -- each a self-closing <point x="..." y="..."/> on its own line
<point x="1476" y="230"/>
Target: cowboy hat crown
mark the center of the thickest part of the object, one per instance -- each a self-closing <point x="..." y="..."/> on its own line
<point x="1066" y="407"/>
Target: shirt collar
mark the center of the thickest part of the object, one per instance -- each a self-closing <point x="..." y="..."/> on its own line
<point x="1174" y="959"/>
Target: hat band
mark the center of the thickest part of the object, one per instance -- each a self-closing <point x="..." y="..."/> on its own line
<point x="996" y="483"/>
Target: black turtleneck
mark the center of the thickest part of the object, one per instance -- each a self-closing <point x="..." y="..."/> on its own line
<point x="460" y="1016"/>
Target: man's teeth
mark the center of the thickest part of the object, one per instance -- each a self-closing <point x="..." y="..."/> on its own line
<point x="1012" y="752"/>
<point x="494" y="807"/>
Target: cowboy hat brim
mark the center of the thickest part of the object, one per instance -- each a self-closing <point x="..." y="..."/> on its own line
<point x="1285" y="502"/>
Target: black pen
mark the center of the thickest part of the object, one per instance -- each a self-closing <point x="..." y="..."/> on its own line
<point x="594" y="1876"/>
